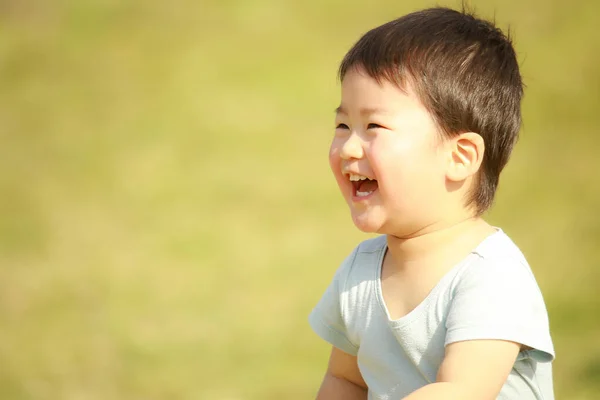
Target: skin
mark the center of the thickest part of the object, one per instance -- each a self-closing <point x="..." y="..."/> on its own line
<point x="385" y="133"/>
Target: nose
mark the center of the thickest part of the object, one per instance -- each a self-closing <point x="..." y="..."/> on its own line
<point x="352" y="148"/>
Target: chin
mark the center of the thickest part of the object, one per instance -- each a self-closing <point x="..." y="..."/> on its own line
<point x="367" y="224"/>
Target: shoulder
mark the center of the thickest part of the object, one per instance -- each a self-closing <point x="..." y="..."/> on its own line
<point x="368" y="254"/>
<point x="500" y="245"/>
<point x="500" y="258"/>
<point x="363" y="260"/>
<point x="373" y="245"/>
<point x="499" y="263"/>
<point x="365" y="251"/>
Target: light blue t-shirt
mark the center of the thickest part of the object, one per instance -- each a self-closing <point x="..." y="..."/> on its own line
<point x="491" y="294"/>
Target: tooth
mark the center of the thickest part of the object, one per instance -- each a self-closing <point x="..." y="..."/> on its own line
<point x="355" y="178"/>
<point x="363" y="194"/>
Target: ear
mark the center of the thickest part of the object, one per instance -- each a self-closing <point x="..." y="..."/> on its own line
<point x="466" y="156"/>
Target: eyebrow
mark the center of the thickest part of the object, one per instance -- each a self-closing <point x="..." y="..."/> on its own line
<point x="365" y="111"/>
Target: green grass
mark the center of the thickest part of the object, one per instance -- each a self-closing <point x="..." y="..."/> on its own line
<point x="168" y="215"/>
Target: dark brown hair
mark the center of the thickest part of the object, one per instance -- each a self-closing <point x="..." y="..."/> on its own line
<point x="465" y="72"/>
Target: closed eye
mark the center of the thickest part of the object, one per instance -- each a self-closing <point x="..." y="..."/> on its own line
<point x="342" y="126"/>
<point x="374" y="126"/>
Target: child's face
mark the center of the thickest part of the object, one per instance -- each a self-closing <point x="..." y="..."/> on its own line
<point x="387" y="135"/>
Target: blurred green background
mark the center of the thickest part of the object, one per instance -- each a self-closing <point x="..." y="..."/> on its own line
<point x="168" y="218"/>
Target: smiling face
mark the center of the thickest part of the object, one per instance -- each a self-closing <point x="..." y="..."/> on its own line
<point x="388" y="158"/>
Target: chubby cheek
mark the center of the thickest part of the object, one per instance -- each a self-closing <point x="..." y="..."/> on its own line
<point x="334" y="157"/>
<point x="402" y="172"/>
<point x="335" y="163"/>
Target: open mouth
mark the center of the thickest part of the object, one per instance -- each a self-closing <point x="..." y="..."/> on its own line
<point x="362" y="185"/>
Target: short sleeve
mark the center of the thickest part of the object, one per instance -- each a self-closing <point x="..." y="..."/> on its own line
<point x="500" y="299"/>
<point x="327" y="319"/>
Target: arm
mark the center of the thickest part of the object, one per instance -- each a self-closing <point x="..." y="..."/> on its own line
<point x="474" y="369"/>
<point x="343" y="380"/>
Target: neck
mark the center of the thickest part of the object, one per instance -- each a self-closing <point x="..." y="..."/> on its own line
<point x="442" y="241"/>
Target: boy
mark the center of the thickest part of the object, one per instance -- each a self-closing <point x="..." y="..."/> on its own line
<point x="441" y="305"/>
